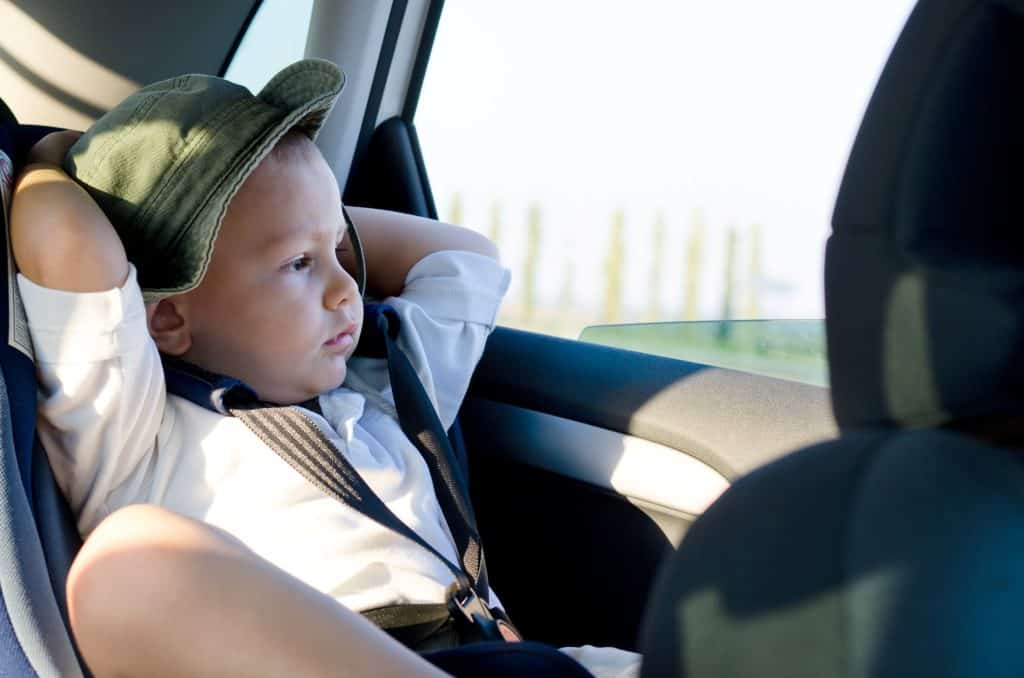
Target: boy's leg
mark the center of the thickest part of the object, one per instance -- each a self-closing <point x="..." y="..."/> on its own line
<point x="155" y="594"/>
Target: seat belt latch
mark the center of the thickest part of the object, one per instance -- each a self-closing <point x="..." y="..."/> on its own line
<point x="470" y="606"/>
<point x="474" y="618"/>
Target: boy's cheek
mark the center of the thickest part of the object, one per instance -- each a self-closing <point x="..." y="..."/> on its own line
<point x="355" y="344"/>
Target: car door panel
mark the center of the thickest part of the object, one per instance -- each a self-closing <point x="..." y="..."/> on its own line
<point x="588" y="464"/>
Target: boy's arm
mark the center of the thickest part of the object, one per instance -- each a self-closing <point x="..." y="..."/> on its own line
<point x="60" y="237"/>
<point x="447" y="303"/>
<point x="101" y="384"/>
<point x="393" y="242"/>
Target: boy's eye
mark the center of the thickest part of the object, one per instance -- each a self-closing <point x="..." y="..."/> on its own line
<point x="299" y="264"/>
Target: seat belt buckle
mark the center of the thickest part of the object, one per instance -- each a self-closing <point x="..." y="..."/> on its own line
<point x="469" y="605"/>
<point x="476" y="621"/>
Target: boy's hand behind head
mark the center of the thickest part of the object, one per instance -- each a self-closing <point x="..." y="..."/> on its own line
<point x="52" y="148"/>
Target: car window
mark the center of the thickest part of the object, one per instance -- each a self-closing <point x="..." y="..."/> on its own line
<point x="785" y="349"/>
<point x="651" y="161"/>
<point x="275" y="38"/>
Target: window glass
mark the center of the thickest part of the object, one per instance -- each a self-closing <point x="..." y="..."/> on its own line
<point x="785" y="349"/>
<point x="275" y="38"/>
<point x="652" y="160"/>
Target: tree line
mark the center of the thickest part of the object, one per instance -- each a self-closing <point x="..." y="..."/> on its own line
<point x="613" y="304"/>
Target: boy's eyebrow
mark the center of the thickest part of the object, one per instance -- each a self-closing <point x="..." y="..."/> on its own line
<point x="295" y="233"/>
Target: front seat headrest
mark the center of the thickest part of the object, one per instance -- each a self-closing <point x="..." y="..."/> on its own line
<point x="924" y="272"/>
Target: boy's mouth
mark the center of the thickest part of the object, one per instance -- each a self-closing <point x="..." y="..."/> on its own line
<point x="343" y="339"/>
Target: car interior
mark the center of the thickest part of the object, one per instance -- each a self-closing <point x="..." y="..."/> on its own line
<point x="590" y="464"/>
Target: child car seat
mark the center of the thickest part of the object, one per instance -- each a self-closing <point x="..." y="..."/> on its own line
<point x="38" y="538"/>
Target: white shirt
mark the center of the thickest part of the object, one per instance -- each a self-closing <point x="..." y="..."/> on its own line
<point x="114" y="437"/>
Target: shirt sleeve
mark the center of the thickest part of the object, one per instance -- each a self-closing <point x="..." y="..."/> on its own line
<point x="101" y="389"/>
<point x="447" y="309"/>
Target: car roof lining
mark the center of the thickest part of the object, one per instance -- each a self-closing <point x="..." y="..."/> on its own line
<point x="124" y="44"/>
<point x="143" y="41"/>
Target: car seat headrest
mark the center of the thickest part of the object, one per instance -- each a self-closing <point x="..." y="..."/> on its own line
<point x="924" y="272"/>
<point x="6" y="115"/>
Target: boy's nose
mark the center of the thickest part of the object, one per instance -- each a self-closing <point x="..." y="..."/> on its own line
<point x="341" y="288"/>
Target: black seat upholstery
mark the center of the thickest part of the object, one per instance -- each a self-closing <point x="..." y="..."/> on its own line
<point x="6" y="115"/>
<point x="898" y="549"/>
<point x="38" y="538"/>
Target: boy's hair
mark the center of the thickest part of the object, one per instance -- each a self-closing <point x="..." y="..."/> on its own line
<point x="290" y="146"/>
<point x="164" y="163"/>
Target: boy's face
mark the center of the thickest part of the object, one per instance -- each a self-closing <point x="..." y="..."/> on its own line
<point x="276" y="309"/>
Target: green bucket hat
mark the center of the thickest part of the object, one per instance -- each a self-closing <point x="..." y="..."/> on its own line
<point x="165" y="162"/>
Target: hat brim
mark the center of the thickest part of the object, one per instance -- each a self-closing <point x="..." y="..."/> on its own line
<point x="302" y="95"/>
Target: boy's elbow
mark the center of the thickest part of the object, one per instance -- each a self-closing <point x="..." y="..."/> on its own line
<point x="61" y="242"/>
<point x="487" y="247"/>
<point x="478" y="243"/>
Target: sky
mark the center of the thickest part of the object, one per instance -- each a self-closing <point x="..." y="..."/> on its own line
<point x="742" y="109"/>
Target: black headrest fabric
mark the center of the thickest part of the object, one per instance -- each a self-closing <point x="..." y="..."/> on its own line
<point x="6" y="115"/>
<point x="924" y="273"/>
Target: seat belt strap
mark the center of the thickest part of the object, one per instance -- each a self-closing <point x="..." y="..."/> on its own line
<point x="301" y="443"/>
<point x="422" y="426"/>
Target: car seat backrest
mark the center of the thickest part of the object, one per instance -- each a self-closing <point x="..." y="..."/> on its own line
<point x="897" y="549"/>
<point x="37" y="537"/>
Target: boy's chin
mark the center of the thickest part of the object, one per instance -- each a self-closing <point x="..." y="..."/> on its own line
<point x="304" y="392"/>
<point x="331" y="378"/>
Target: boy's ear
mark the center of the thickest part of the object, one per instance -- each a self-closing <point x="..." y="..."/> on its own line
<point x="168" y="327"/>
